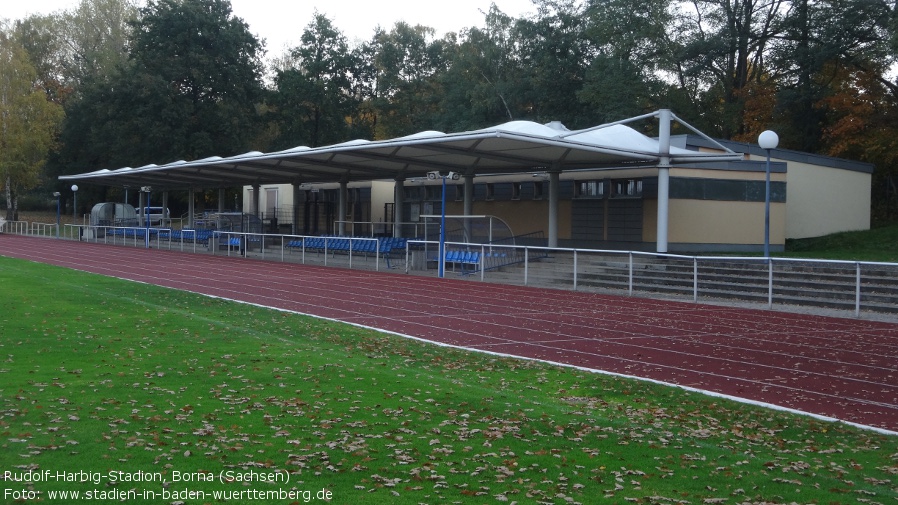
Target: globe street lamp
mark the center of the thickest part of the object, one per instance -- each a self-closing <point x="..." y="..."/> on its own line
<point x="74" y="204"/>
<point x="146" y="214"/>
<point x="767" y="140"/>
<point x="57" y="194"/>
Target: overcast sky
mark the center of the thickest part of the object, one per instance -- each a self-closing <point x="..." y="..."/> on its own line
<point x="281" y="22"/>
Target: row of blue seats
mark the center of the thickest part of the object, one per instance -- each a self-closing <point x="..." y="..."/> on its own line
<point x="338" y="244"/>
<point x="463" y="257"/>
<point x="199" y="236"/>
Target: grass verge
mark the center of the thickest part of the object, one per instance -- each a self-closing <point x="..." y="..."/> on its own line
<point x="877" y="244"/>
<point x="111" y="388"/>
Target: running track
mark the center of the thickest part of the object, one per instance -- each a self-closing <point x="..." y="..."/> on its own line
<point x="841" y="368"/>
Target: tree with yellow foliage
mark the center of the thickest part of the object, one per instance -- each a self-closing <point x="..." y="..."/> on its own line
<point x="28" y="123"/>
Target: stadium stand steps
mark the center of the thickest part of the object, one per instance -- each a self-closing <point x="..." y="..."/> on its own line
<point x="794" y="284"/>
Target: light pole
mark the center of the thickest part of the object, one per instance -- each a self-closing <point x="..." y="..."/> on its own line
<point x="767" y="140"/>
<point x="146" y="214"/>
<point x="441" y="262"/>
<point x="57" y="194"/>
<point x="74" y="204"/>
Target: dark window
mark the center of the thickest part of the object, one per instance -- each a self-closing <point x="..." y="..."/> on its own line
<point x="538" y="190"/>
<point x="589" y="189"/>
<point x="626" y="188"/>
<point x="515" y="190"/>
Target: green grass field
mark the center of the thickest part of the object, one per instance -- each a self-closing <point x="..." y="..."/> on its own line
<point x="877" y="244"/>
<point x="130" y="383"/>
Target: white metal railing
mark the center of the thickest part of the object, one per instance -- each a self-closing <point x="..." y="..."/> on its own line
<point x="684" y="274"/>
<point x="851" y="285"/>
<point x="44" y="229"/>
<point x="15" y="227"/>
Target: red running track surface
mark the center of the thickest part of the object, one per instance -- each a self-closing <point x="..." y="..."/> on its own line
<point x="841" y="368"/>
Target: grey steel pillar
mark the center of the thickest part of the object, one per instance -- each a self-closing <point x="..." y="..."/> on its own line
<point x="256" y="200"/>
<point x="664" y="118"/>
<point x="296" y="193"/>
<point x="142" y="208"/>
<point x="554" y="184"/>
<point x="341" y="210"/>
<point x="468" y="203"/>
<point x="398" y="202"/>
<point x="191" y="207"/>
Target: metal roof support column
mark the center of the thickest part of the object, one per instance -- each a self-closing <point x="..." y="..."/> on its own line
<point x="191" y="207"/>
<point x="554" y="184"/>
<point x="221" y="200"/>
<point x="341" y="208"/>
<point x="166" y="217"/>
<point x="664" y="117"/>
<point x="256" y="200"/>
<point x="398" y="197"/>
<point x="141" y="209"/>
<point x="468" y="203"/>
<point x="296" y="194"/>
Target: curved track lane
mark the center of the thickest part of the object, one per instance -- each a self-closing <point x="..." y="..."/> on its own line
<point x="841" y="368"/>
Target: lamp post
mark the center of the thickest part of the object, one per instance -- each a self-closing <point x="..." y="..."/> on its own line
<point x="146" y="215"/>
<point x="767" y="140"/>
<point x="441" y="262"/>
<point x="57" y="194"/>
<point x="74" y="204"/>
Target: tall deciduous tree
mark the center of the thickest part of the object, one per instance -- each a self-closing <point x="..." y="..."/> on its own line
<point x="555" y="53"/>
<point x="95" y="36"/>
<point x="28" y="122"/>
<point x="407" y="61"/>
<point x="190" y="90"/>
<point x="200" y="70"/>
<point x="315" y="98"/>
<point x="482" y="84"/>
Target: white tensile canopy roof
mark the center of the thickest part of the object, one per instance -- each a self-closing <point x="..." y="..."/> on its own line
<point x="513" y="147"/>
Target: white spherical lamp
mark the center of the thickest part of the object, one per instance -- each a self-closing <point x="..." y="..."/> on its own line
<point x="768" y="139"/>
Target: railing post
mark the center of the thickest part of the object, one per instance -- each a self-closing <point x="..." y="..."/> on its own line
<point x="526" y="264"/>
<point x="575" y="270"/>
<point x="630" y="276"/>
<point x="695" y="279"/>
<point x="482" y="261"/>
<point x="769" y="283"/>
<point x="407" y="254"/>
<point x="857" y="294"/>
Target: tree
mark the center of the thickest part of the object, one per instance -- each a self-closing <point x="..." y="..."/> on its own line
<point x="481" y="84"/>
<point x="95" y="35"/>
<point x="201" y="71"/>
<point x="723" y="44"/>
<point x="190" y="90"/>
<point x="862" y="124"/>
<point x="555" y="53"/>
<point x="315" y="97"/>
<point x="408" y="62"/>
<point x="28" y="122"/>
<point x="633" y="47"/>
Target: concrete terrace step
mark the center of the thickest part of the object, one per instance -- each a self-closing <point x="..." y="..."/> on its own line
<point x="799" y="284"/>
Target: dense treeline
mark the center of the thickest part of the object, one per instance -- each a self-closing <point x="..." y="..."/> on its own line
<point x="186" y="79"/>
